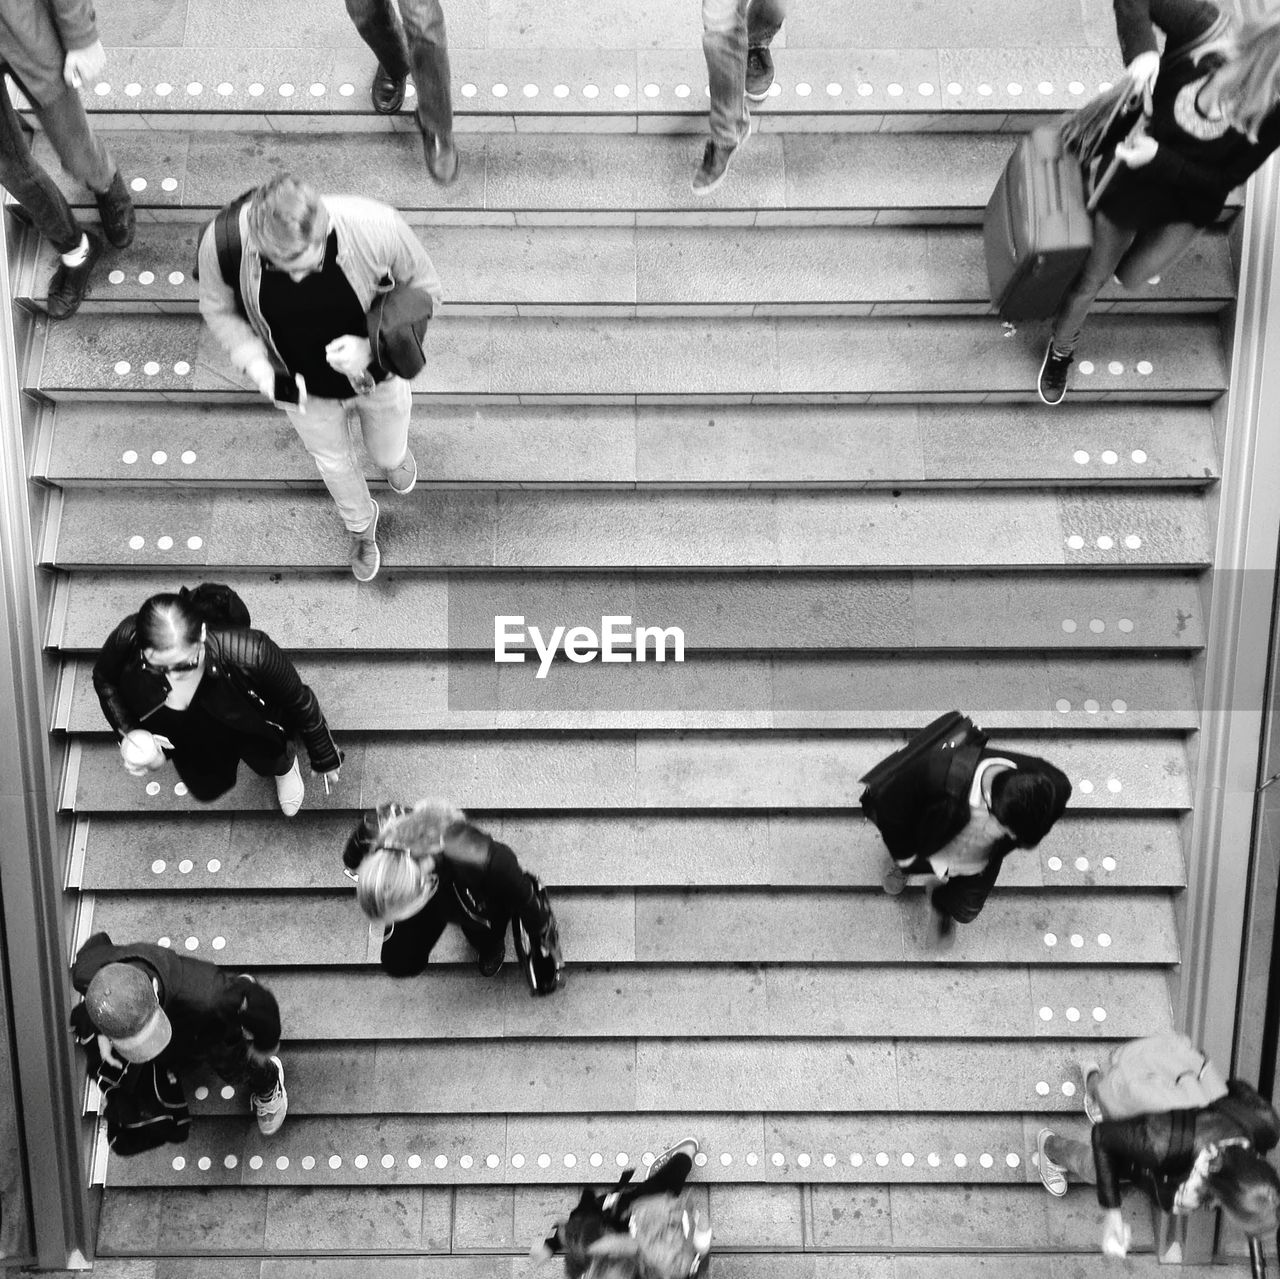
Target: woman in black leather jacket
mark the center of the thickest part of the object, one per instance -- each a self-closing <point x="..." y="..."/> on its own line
<point x="174" y="688"/>
<point x="1209" y="1157"/>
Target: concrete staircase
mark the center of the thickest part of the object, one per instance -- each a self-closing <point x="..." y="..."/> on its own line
<point x="783" y="420"/>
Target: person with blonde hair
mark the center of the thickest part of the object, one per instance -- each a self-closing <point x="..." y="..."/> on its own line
<point x="1211" y="121"/>
<point x="295" y="318"/>
<point x="419" y="869"/>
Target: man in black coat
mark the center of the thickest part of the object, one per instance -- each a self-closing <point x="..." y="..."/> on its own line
<point x="959" y="829"/>
<point x="146" y="1003"/>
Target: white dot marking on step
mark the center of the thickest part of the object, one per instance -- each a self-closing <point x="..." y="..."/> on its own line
<point x="908" y="1159"/>
<point x="530" y="90"/>
<point x="1108" y="863"/>
<point x="961" y="1161"/>
<point x="361" y="1161"/>
<point x="214" y="866"/>
<point x="570" y="1161"/>
<point x="1115" y="368"/>
<point x="116" y="277"/>
<point x="954" y="89"/>
<point x="1075" y="87"/>
<point x="856" y="1160"/>
<point x="165" y="543"/>
<point x="282" y="1162"/>
<point x="442" y="1161"/>
<point x="935" y="1159"/>
<point x="159" y="457"/>
<point x="1055" y="863"/>
<point x="651" y="90"/>
<point x="1042" y="1088"/>
<point x="346" y="90"/>
<point x="1068" y="623"/>
<point x="176" y="277"/>
<point x="195" y="89"/>
<point x="1138" y="456"/>
<point x="1046" y="1014"/>
<point x="157" y="866"/>
<point x="231" y="1161"/>
<point x="257" y="90"/>
<point x="136" y="543"/>
<point x="1081" y="457"/>
<point x="1106" y="542"/>
<point x="752" y="1158"/>
<point x="590" y="91"/>
<point x="1082" y="863"/>
<point x="255" y="1162"/>
<point x="123" y="367"/>
<point x="622" y="1159"/>
<point x="226" y="89"/>
<point x="133" y="89"/>
<point x="1145" y="368"/>
<point x="1119" y="706"/>
<point x="1086" y="367"/>
<point x="828" y="1160"/>
<point x="925" y="90"/>
<point x="163" y="90"/>
<point x="194" y="543"/>
<point x="1075" y="542"/>
<point x="492" y="1161"/>
<point x="192" y="943"/>
<point x="1051" y="939"/>
<point x="180" y="789"/>
<point x="202" y="1092"/>
<point x="834" y="90"/>
<point x="700" y="1159"/>
<point x="562" y="90"/>
<point x="1073" y="1014"/>
<point x="1125" y="624"/>
<point x="186" y="866"/>
<point x="1090" y="706"/>
<point x="1114" y="785"/>
<point x="882" y="1159"/>
<point x="1086" y="787"/>
<point x="179" y="1163"/>
<point x="1012" y="1160"/>
<point x="1133" y="541"/>
<point x="803" y="90"/>
<point x="219" y="943"/>
<point x="1044" y="88"/>
<point x="984" y="90"/>
<point x="415" y="1161"/>
<point x="544" y="1161"/>
<point x="621" y="90"/>
<point x="151" y="368"/>
<point x="1014" y="90"/>
<point x="182" y="368"/>
<point x="803" y="1160"/>
<point x="1104" y="940"/>
<point x="227" y="1092"/>
<point x="286" y="90"/>
<point x="317" y="90"/>
<point x="1076" y="940"/>
<point x="188" y="456"/>
<point x="1099" y="1014"/>
<point x="388" y="1161"/>
<point x="153" y="788"/>
<point x="517" y="1161"/>
<point x="1110" y="457"/>
<point x="1063" y="706"/>
<point x="778" y="1159"/>
<point x="775" y="90"/>
<point x="985" y="1160"/>
<point x="335" y="1162"/>
<point x="894" y="90"/>
<point x="682" y="91"/>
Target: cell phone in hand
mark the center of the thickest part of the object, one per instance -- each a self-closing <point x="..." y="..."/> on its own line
<point x="290" y="390"/>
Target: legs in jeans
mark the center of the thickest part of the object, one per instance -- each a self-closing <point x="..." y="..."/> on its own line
<point x="963" y="896"/>
<point x="1075" y="1156"/>
<point x="78" y="148"/>
<point x="729" y="28"/>
<point x="417" y="45"/>
<point x="1133" y="255"/>
<point x="31" y="186"/>
<point x="384" y="421"/>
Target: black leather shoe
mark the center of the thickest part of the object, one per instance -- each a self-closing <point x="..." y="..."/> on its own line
<point x="387" y="93"/>
<point x="70" y="283"/>
<point x="443" y="161"/>
<point x="115" y="206"/>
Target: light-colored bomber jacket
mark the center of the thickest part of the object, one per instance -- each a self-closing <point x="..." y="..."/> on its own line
<point x="374" y="242"/>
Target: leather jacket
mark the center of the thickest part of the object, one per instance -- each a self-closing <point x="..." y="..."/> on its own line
<point x="247" y="681"/>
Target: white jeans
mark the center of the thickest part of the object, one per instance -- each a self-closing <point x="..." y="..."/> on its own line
<point x="384" y="423"/>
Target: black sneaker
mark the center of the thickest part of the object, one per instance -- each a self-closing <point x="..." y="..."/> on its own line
<point x="443" y="161"/>
<point x="387" y="91"/>
<point x="759" y="73"/>
<point x="1053" y="375"/>
<point x="115" y="207"/>
<point x="715" y="165"/>
<point x="490" y="965"/>
<point x="70" y="283"/>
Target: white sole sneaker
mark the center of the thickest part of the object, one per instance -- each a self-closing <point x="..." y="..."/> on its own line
<point x="291" y="790"/>
<point x="271" y="1111"/>
<point x="1053" y="1176"/>
<point x="411" y="464"/>
<point x="688" y="1146"/>
<point x="724" y="173"/>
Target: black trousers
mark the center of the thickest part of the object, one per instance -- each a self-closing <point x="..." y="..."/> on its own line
<point x="962" y="897"/>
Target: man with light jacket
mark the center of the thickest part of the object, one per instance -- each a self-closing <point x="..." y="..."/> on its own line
<point x="294" y="317"/>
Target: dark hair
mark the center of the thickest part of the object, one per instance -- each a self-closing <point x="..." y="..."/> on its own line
<point x="167" y="621"/>
<point x="1248" y="1189"/>
<point x="586" y="1224"/>
<point x="1024" y="803"/>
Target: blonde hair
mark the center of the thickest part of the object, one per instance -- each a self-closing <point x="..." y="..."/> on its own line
<point x="286" y="218"/>
<point x="1248" y="81"/>
<point x="400" y="867"/>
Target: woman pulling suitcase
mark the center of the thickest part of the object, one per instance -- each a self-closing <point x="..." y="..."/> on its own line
<point x="1213" y="119"/>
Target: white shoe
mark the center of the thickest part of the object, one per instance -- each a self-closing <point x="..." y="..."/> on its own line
<point x="689" y="1146"/>
<point x="1053" y="1175"/>
<point x="291" y="790"/>
<point x="271" y="1109"/>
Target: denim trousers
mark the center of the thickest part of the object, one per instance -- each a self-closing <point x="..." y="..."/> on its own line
<point x="81" y="154"/>
<point x="412" y="43"/>
<point x="384" y="423"/>
<point x="1133" y="256"/>
<point x="729" y="29"/>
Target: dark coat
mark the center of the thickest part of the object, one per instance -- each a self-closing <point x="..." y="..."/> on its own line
<point x="1145" y="1146"/>
<point x="247" y="681"/>
<point x="916" y="816"/>
<point x="207" y="1007"/>
<point x="1190" y="178"/>
<point x="34" y="38"/>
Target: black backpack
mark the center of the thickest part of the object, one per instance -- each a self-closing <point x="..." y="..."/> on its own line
<point x="539" y="954"/>
<point x="953" y="732"/>
<point x="229" y="244"/>
<point x="217" y="605"/>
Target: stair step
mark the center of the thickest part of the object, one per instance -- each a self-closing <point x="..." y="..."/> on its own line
<point x="781" y="179"/>
<point x="143" y="1221"/>
<point x="625" y="361"/>
<point x="620" y="271"/>
<point x="723" y="691"/>
<point x="510" y="528"/>
<point x="600" y="850"/>
<point x="546" y="772"/>
<point x="512" y="1148"/>
<point x="675" y="927"/>
<point x="1082" y="611"/>
<point x="562" y="1076"/>
<point x="607" y="1001"/>
<point x="597" y="445"/>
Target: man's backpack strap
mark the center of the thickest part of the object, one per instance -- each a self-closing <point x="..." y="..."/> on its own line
<point x="229" y="244"/>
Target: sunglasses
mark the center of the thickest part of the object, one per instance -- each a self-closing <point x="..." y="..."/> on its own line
<point x="175" y="668"/>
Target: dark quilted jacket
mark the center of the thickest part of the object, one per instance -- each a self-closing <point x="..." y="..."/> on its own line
<point x="247" y="680"/>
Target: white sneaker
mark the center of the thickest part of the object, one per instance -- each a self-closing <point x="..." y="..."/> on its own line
<point x="1053" y="1175"/>
<point x="271" y="1109"/>
<point x="689" y="1146"/>
<point x="291" y="790"/>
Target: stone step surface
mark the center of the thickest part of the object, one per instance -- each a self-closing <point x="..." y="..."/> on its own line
<point x="525" y="178"/>
<point x="498" y="1149"/>
<point x="813" y="1001"/>
<point x="1080" y="610"/>
<point x="625" y="361"/>
<point x="723" y="691"/>
<point x="564" y="1076"/>
<point x="194" y="853"/>
<point x="621" y="271"/>
<point x="846" y="1220"/>
<point x="776" y="445"/>
<point x="638" y="771"/>
<point x="708" y="529"/>
<point x="665" y="926"/>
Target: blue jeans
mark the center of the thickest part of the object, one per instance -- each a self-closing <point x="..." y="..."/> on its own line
<point x="413" y="43"/>
<point x="729" y="29"/>
<point x="81" y="154"/>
